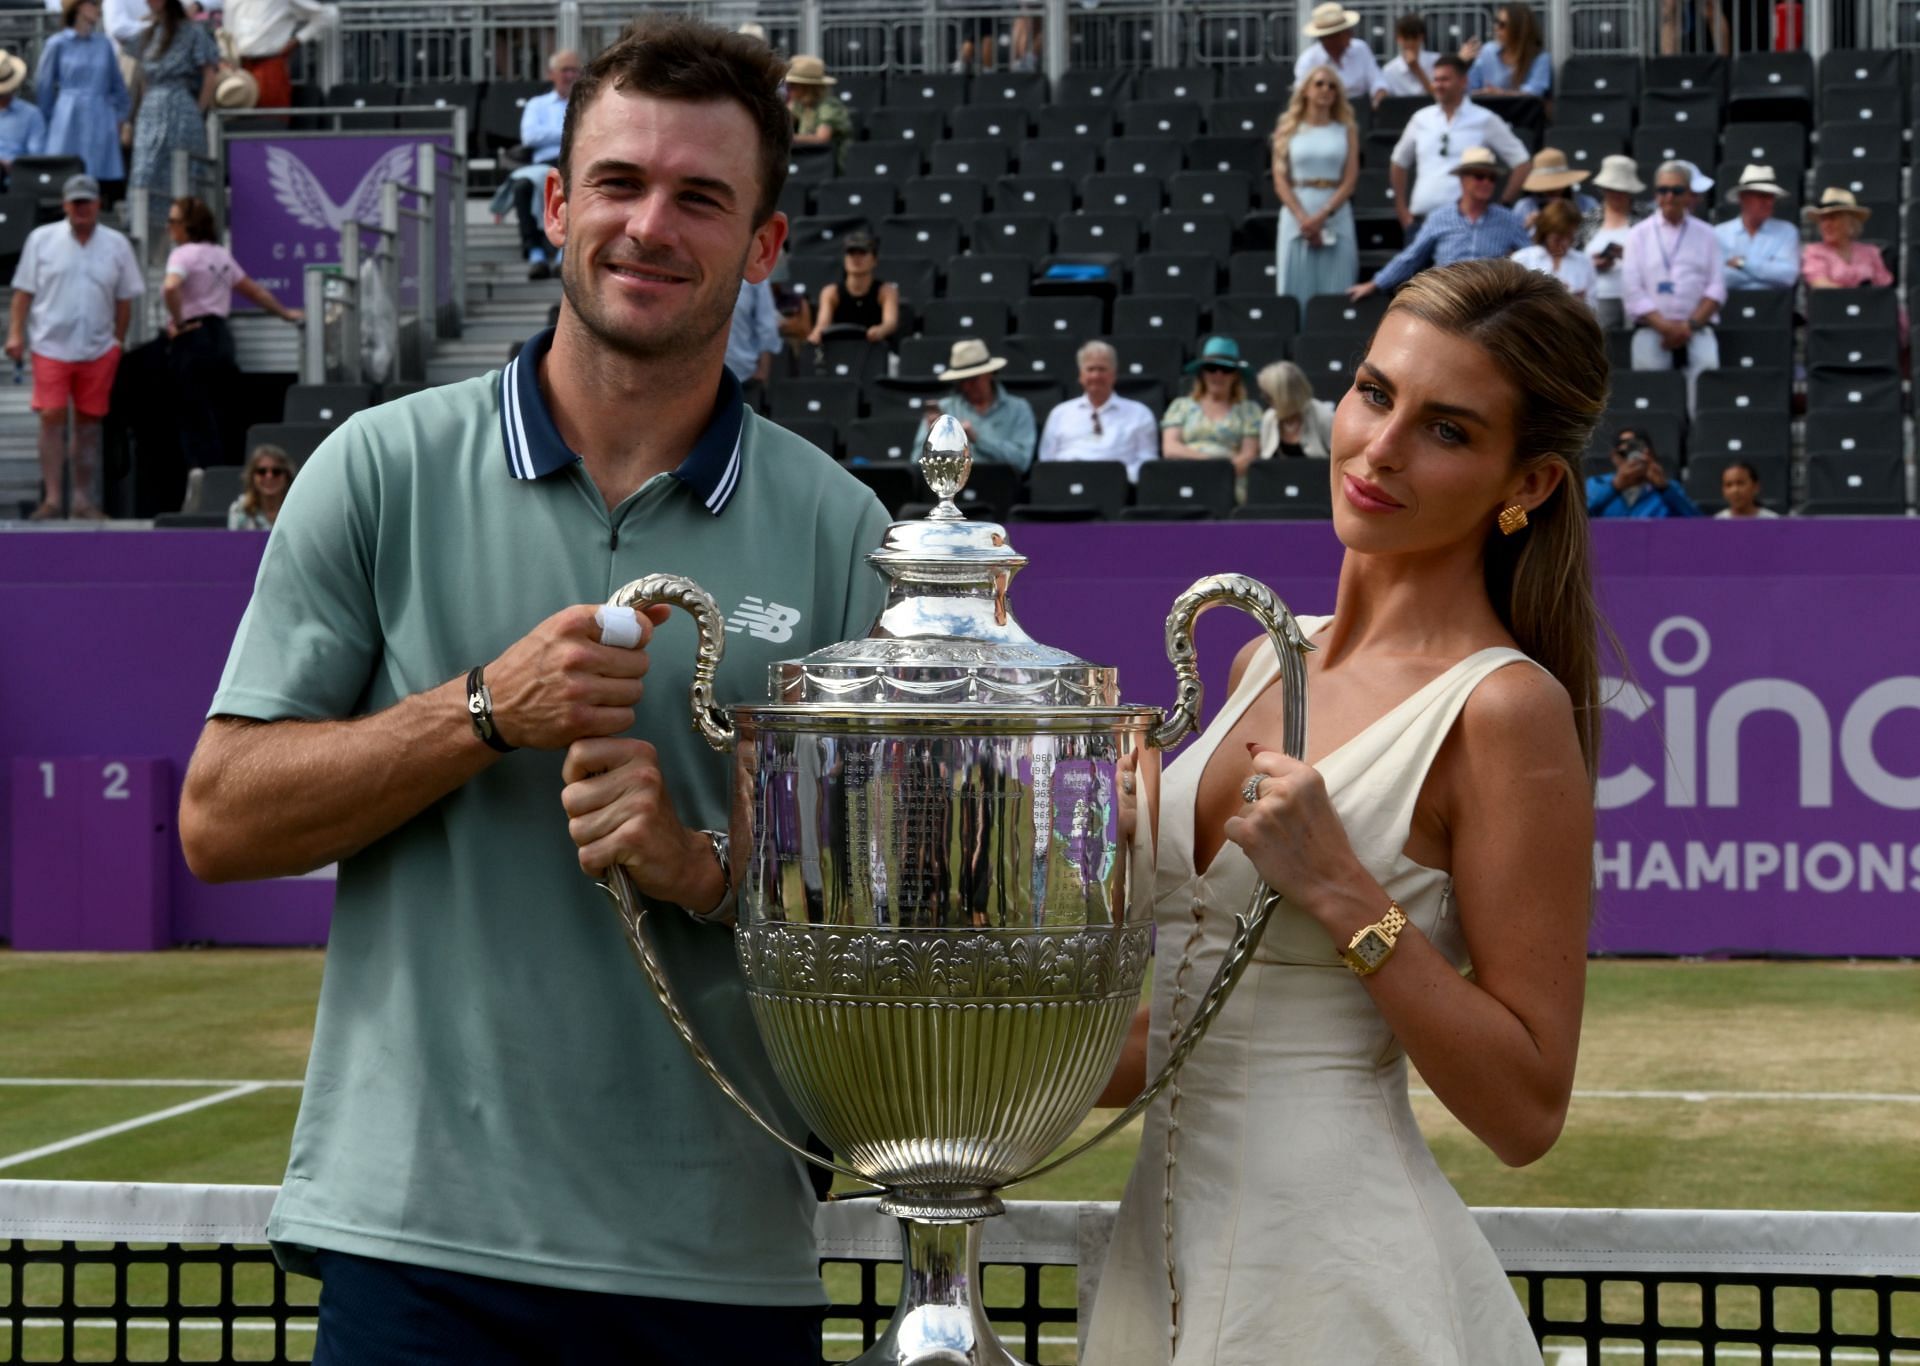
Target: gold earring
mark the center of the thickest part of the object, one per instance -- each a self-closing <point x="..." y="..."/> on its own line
<point x="1512" y="518"/>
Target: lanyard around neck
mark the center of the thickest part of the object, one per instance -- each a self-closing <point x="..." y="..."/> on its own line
<point x="1679" y="240"/>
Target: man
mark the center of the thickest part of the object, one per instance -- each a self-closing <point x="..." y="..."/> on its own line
<point x="73" y="294"/>
<point x="753" y="339"/>
<point x="1672" y="283"/>
<point x="999" y="425"/>
<point x="1639" y="485"/>
<point x="23" y="132"/>
<point x="1757" y="250"/>
<point x="1437" y="137"/>
<point x="1331" y="27"/>
<point x="1411" y="73"/>
<point x="819" y="119"/>
<point x="541" y="121"/>
<point x="1100" y="424"/>
<point x="1467" y="230"/>
<point x="266" y="32"/>
<point x="504" y="1152"/>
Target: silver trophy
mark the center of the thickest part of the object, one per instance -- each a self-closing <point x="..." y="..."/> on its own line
<point x="942" y="845"/>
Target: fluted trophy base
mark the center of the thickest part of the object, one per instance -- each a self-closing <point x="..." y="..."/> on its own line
<point x="940" y="1319"/>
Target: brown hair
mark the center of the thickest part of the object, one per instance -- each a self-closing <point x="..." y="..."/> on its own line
<point x="1410" y="26"/>
<point x="197" y="219"/>
<point x="1549" y="345"/>
<point x="172" y="15"/>
<point x="1556" y="217"/>
<point x="1523" y="42"/>
<point x="674" y="58"/>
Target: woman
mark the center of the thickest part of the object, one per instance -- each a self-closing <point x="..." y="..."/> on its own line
<point x="1516" y="62"/>
<point x="1839" y="260"/>
<point x="1284" y="1207"/>
<point x="179" y="68"/>
<point x="1740" y="488"/>
<point x="1316" y="164"/>
<point x="1216" y="420"/>
<point x="1296" y="423"/>
<point x="861" y="298"/>
<point x="200" y="282"/>
<point x="1553" y="252"/>
<point x="1619" y="183"/>
<point x="269" y="475"/>
<point x="1553" y="179"/>
<point x="81" y="92"/>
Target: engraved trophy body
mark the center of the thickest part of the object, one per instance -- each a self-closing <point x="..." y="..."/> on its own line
<point x="943" y="851"/>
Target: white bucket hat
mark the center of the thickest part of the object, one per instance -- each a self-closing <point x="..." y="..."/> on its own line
<point x="1331" y="18"/>
<point x="969" y="358"/>
<point x="1621" y="174"/>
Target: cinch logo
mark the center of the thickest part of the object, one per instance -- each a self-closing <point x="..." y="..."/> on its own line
<point x="767" y="620"/>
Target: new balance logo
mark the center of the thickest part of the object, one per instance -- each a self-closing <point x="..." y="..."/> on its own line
<point x="767" y="620"/>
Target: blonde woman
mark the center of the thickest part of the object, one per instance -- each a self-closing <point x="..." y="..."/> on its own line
<point x="269" y="474"/>
<point x="1438" y="842"/>
<point x="1296" y="423"/>
<point x="1316" y="164"/>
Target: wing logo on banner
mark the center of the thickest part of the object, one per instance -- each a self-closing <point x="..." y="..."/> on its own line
<point x="300" y="193"/>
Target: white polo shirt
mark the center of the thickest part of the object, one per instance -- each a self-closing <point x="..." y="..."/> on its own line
<point x="1434" y="144"/>
<point x="1128" y="433"/>
<point x="75" y="285"/>
<point x="1356" y="66"/>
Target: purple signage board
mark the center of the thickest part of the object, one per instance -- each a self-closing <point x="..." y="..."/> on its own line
<point x="289" y="196"/>
<point x="1759" y="780"/>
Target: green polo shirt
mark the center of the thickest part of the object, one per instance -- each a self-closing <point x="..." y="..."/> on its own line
<point x="493" y="1089"/>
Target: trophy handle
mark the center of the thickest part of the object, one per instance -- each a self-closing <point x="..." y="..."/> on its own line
<point x="694" y="600"/>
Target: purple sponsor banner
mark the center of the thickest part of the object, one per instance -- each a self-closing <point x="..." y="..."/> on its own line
<point x="1759" y="785"/>
<point x="289" y="197"/>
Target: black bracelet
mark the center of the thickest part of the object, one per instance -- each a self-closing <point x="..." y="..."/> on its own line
<point x="480" y="712"/>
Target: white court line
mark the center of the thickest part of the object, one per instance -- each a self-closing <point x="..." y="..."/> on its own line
<point x="202" y="1084"/>
<point x="141" y="1121"/>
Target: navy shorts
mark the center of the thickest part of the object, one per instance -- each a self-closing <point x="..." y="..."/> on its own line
<point x="377" y="1313"/>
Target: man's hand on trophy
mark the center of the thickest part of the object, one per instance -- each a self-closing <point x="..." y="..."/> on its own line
<point x="575" y="675"/>
<point x="620" y="813"/>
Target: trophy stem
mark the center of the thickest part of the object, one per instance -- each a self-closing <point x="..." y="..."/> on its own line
<point x="940" y="1319"/>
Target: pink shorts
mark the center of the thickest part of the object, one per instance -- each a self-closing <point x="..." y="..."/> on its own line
<point x="89" y="383"/>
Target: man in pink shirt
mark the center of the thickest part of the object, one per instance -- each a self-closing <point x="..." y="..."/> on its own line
<point x="1671" y="281"/>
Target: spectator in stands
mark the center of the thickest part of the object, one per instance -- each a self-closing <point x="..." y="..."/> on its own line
<point x="860" y="298"/>
<point x="1334" y="43"/>
<point x="1839" y="260"/>
<point x="1316" y="165"/>
<point x="1757" y="250"/>
<point x="1437" y="137"/>
<point x="1553" y="252"/>
<point x="179" y="66"/>
<point x="1553" y="179"/>
<point x="1100" y="424"/>
<point x="1296" y="423"/>
<point x="998" y="424"/>
<point x="1215" y="420"/>
<point x="1411" y="73"/>
<point x="1471" y="228"/>
<point x="1516" y="62"/>
<point x="1619" y="184"/>
<point x="541" y="121"/>
<point x="1740" y="490"/>
<point x="1671" y="281"/>
<point x="269" y="474"/>
<point x="755" y="337"/>
<point x="73" y="294"/>
<point x="265" y="33"/>
<point x="1639" y="485"/>
<point x="23" y="133"/>
<point x="202" y="278"/>
<point x="819" y="119"/>
<point x="85" y="97"/>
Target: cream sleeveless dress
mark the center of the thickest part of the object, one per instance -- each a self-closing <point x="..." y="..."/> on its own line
<point x="1284" y="1209"/>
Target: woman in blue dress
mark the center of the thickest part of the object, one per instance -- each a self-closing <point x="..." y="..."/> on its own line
<point x="179" y="64"/>
<point x="81" y="92"/>
<point x="1316" y="164"/>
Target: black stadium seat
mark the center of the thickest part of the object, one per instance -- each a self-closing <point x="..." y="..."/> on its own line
<point x="955" y="196"/>
<point x="1290" y="488"/>
<point x="1019" y="234"/>
<point x="1045" y="194"/>
<point x="1782" y="146"/>
<point x="1207" y="233"/>
<point x="1266" y="315"/>
<point x="1269" y="83"/>
<point x="990" y="123"/>
<point x="1102" y="485"/>
<point x="1853" y="308"/>
<point x="1599" y="75"/>
<point x="1151" y="356"/>
<point x="1758" y="390"/>
<point x="1328" y="361"/>
<point x="326" y="404"/>
<point x="856" y="197"/>
<point x="1172" y="315"/>
<point x="1688" y="71"/>
<point x="1587" y="147"/>
<point x="1136" y="195"/>
<point x="926" y="89"/>
<point x="1194" y="83"/>
<point x="43" y="176"/>
<point x="1079" y="317"/>
<point x="1671" y="142"/>
<point x="934" y="235"/>
<point x="1857" y="485"/>
<point x="1023" y="88"/>
<point x="1854" y="434"/>
<point x="1680" y="108"/>
<point x="1164" y="157"/>
<point x="958" y="317"/>
<point x="19" y="215"/>
<point x="1184" y="272"/>
<point x="885" y="160"/>
<point x="1068" y="158"/>
<point x="1862" y="347"/>
<point x="1766" y="310"/>
<point x="1108" y="233"/>
<point x="1179" y="119"/>
<point x="1091" y="85"/>
<point x="1337" y="313"/>
<point x="1726" y="434"/>
<point x="1591" y="111"/>
<point x="1771" y="86"/>
<point x="1852" y="143"/>
<point x="1842" y="389"/>
<point x="1756" y="348"/>
<point x="978" y="160"/>
<point x="879" y="439"/>
<point x="917" y="124"/>
<point x="1229" y="192"/>
<point x="861" y="91"/>
<point x="500" y="111"/>
<point x="1207" y="484"/>
<point x="1240" y="118"/>
<point x="1658" y="391"/>
<point x="298" y="439"/>
<point x="988" y="276"/>
<point x="1095" y="121"/>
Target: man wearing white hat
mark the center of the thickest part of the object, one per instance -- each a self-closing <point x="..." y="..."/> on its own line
<point x="23" y="132"/>
<point x="1672" y="281"/>
<point x="998" y="424"/>
<point x="1332" y="28"/>
<point x="1757" y="250"/>
<point x="1438" y="136"/>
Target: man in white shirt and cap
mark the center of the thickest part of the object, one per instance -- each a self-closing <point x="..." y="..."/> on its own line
<point x="1438" y="136"/>
<point x="1100" y="424"/>
<point x="1336" y="43"/>
<point x="1757" y="250"/>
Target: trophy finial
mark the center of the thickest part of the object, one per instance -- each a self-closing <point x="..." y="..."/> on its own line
<point x="945" y="460"/>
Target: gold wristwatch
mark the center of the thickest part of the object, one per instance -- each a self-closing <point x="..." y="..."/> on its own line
<point x="1372" y="946"/>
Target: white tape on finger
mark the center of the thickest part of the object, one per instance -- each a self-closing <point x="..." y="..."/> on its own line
<point x="619" y="626"/>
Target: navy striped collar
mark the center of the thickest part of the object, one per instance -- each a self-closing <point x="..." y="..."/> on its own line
<point x="535" y="450"/>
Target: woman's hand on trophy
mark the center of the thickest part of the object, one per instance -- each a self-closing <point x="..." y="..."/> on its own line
<point x="619" y="812"/>
<point x="1295" y="839"/>
<point x="569" y="679"/>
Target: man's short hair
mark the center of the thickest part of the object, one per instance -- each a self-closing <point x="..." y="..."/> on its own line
<point x="674" y="58"/>
<point x="1452" y="62"/>
<point x="1410" y="26"/>
<point x="1097" y="348"/>
<point x="1683" y="169"/>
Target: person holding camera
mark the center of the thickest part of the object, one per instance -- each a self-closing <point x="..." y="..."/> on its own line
<point x="1639" y="485"/>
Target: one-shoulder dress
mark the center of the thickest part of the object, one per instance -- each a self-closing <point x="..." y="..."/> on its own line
<point x="1284" y="1209"/>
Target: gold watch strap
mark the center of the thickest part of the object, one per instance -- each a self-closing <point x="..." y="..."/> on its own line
<point x="1387" y="928"/>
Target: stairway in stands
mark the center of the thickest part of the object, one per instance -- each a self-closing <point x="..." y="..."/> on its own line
<point x="19" y="436"/>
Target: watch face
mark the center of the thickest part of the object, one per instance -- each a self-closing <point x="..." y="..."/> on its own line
<point x="1372" y="949"/>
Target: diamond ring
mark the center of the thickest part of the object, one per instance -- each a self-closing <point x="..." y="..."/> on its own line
<point x="1250" y="789"/>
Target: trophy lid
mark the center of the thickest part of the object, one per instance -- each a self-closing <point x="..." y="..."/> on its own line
<point x="946" y="635"/>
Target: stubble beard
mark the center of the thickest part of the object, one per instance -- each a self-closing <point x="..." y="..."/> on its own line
<point x="685" y="337"/>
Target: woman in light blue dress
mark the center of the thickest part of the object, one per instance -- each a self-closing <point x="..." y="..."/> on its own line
<point x="1316" y="164"/>
<point x="82" y="94"/>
